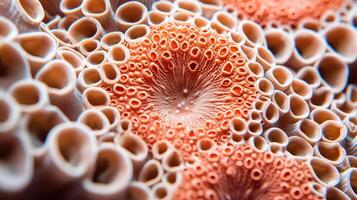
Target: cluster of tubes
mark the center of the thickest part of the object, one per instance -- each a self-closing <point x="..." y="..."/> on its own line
<point x="63" y="135"/>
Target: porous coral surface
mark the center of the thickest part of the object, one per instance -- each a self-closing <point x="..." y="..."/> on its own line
<point x="281" y="11"/>
<point x="181" y="99"/>
<point x="183" y="84"/>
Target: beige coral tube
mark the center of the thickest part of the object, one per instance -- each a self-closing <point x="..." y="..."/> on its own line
<point x="321" y="97"/>
<point x="39" y="48"/>
<point x="333" y="152"/>
<point x="264" y="86"/>
<point x="249" y="53"/>
<point x="111" y="39"/>
<point x="351" y="94"/>
<point x="75" y="59"/>
<point x="156" y="18"/>
<point x="31" y="95"/>
<point x="301" y="88"/>
<point x="162" y="191"/>
<point x="270" y="114"/>
<point x="333" y="131"/>
<point x="254" y="128"/>
<point x="67" y="21"/>
<point x="130" y="14"/>
<point x="26" y="14"/>
<point x="164" y="7"/>
<point x="309" y="130"/>
<point x="160" y="149"/>
<point x="136" y="33"/>
<point x="84" y="28"/>
<point x="309" y="75"/>
<point x="102" y="11"/>
<point x="310" y="24"/>
<point x="51" y="7"/>
<point x="71" y="7"/>
<point x="16" y="163"/>
<point x="135" y="148"/>
<point x="189" y="7"/>
<point x="344" y="110"/>
<point x="89" y="77"/>
<point x="238" y="126"/>
<point x="258" y="143"/>
<point x="95" y="120"/>
<point x="324" y="172"/>
<point x="335" y="194"/>
<point x="113" y="116"/>
<point x="10" y="113"/>
<point x="71" y="151"/>
<point x="276" y="136"/>
<point x="13" y="64"/>
<point x="349" y="182"/>
<point x="110" y="73"/>
<point x="60" y="35"/>
<point x="173" y="179"/>
<point x="320" y="115"/>
<point x="181" y="18"/>
<point x="333" y="72"/>
<point x="265" y="57"/>
<point x="173" y="162"/>
<point x="87" y="46"/>
<point x="60" y="79"/>
<point x="118" y="54"/>
<point x="37" y="126"/>
<point x="8" y="30"/>
<point x="96" y="58"/>
<point x="255" y="69"/>
<point x="299" y="109"/>
<point x="280" y="44"/>
<point x="209" y="7"/>
<point x="125" y="126"/>
<point x="350" y="142"/>
<point x="341" y="39"/>
<point x="281" y="100"/>
<point x="95" y="97"/>
<point x="151" y="173"/>
<point x="276" y="149"/>
<point x="225" y="21"/>
<point x="110" y="176"/>
<point x="298" y="148"/>
<point x="308" y="48"/>
<point x="280" y="77"/>
<point x="252" y="32"/>
<point x="139" y="191"/>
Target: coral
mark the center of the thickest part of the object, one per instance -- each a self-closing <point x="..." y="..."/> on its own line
<point x="117" y="99"/>
<point x="281" y="12"/>
<point x="241" y="172"/>
<point x="183" y="84"/>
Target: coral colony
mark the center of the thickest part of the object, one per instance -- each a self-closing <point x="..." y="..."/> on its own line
<point x="178" y="100"/>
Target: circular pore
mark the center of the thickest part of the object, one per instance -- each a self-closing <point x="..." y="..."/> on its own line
<point x="183" y="83"/>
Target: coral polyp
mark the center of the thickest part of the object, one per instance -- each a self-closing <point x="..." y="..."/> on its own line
<point x="178" y="99"/>
<point x="182" y="84"/>
<point x="246" y="173"/>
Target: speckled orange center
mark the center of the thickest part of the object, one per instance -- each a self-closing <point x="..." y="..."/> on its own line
<point x="183" y="84"/>
<point x="241" y="172"/>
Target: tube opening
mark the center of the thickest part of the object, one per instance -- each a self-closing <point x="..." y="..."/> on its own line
<point x="33" y="9"/>
<point x="131" y="12"/>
